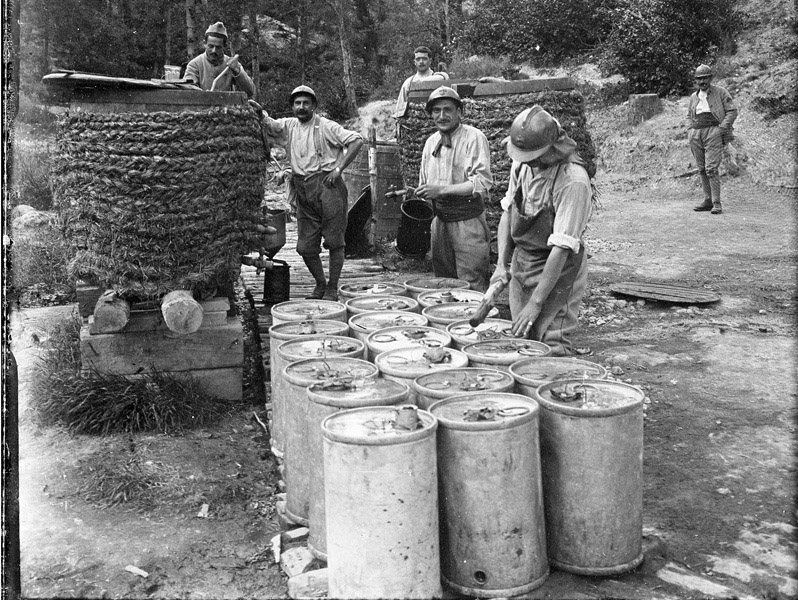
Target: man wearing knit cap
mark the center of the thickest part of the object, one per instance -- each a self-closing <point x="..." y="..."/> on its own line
<point x="213" y="64"/>
<point x="541" y="249"/>
<point x="455" y="179"/>
<point x="711" y="113"/>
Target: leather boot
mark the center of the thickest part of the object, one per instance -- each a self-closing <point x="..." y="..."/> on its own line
<point x="704" y="206"/>
<point x="716" y="209"/>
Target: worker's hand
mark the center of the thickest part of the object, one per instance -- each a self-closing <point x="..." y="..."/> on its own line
<point x="523" y="322"/>
<point x="501" y="273"/>
<point x="258" y="108"/>
<point x="286" y="175"/>
<point x="429" y="192"/>
<point x="234" y="65"/>
<point x="331" y="177"/>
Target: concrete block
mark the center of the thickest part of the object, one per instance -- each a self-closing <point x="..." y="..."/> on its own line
<point x="312" y="584"/>
<point x="296" y="561"/>
<point x="297" y="534"/>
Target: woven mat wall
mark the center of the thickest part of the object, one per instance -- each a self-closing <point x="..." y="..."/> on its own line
<point x="493" y="116"/>
<point x="154" y="202"/>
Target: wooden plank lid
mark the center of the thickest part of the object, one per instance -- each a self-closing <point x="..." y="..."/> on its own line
<point x="664" y="292"/>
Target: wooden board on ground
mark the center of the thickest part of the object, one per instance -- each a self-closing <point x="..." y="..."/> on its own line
<point x="163" y="350"/>
<point x="663" y="292"/>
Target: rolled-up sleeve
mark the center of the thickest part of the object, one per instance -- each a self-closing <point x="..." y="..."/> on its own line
<point x="572" y="206"/>
<point x="512" y="186"/>
<point x="478" y="171"/>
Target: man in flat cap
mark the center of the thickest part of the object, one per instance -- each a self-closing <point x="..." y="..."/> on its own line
<point x="214" y="64"/>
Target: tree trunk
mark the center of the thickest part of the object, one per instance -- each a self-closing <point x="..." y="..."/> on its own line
<point x="181" y="312"/>
<point x="191" y="31"/>
<point x="346" y="60"/>
<point x="642" y="107"/>
<point x="111" y="313"/>
<point x="254" y="32"/>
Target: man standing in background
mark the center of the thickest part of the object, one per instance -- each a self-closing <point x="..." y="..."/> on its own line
<point x="422" y="57"/>
<point x="204" y="69"/>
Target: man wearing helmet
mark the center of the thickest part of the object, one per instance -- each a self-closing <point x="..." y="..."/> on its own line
<point x="319" y="150"/>
<point x="204" y="69"/>
<point x="546" y="210"/>
<point x="711" y="113"/>
<point x="455" y="178"/>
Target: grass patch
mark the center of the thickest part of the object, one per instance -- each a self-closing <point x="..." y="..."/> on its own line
<point x="88" y="402"/>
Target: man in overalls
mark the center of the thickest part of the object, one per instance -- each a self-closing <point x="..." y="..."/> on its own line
<point x="319" y="150"/>
<point x="546" y="210"/>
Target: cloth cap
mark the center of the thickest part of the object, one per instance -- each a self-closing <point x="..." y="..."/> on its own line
<point x="703" y="71"/>
<point x="441" y="93"/>
<point x="303" y="90"/>
<point x="217" y="28"/>
<point x="533" y="133"/>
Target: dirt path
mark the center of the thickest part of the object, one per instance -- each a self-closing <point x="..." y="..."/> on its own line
<point x="719" y="492"/>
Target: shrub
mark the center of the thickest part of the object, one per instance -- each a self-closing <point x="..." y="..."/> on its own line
<point x="31" y="175"/>
<point x="656" y="44"/>
<point x="39" y="256"/>
<point x="474" y="67"/>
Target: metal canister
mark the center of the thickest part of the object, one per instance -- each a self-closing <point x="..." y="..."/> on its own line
<point x="449" y="296"/>
<point x="278" y="334"/>
<point x="381" y="493"/>
<point x="493" y="537"/>
<point x="353" y="290"/>
<point x="412" y="336"/>
<point x="363" y="324"/>
<point x="443" y="315"/>
<point x="490" y="329"/>
<point x="416" y="285"/>
<point x="431" y="387"/>
<point x="407" y="363"/>
<point x="326" y="399"/>
<point x="307" y="362"/>
<point x="531" y="373"/>
<point x="500" y="354"/>
<point x="591" y="446"/>
<point x="308" y="310"/>
<point x="361" y="304"/>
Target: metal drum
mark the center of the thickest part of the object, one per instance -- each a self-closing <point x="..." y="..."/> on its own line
<point x="381" y="493"/>
<point x="500" y="354"/>
<point x="443" y="315"/>
<point x="326" y="399"/>
<point x="317" y="360"/>
<point x="531" y="373"/>
<point x="277" y="335"/>
<point x="405" y="364"/>
<point x="365" y="323"/>
<point x="307" y="310"/>
<point x="493" y="537"/>
<point x="361" y="304"/>
<point x="591" y="446"/>
<point x="490" y="329"/>
<point x="382" y="288"/>
<point x="413" y="336"/>
<point x="431" y="387"/>
<point x="416" y="285"/>
<point x="448" y="296"/>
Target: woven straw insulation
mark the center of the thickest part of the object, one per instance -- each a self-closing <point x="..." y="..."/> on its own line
<point x="493" y="116"/>
<point x="160" y="201"/>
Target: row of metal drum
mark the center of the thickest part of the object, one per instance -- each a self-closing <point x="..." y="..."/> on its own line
<point x="422" y="452"/>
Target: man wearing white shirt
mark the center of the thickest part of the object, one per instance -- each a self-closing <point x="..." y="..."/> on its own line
<point x="422" y="59"/>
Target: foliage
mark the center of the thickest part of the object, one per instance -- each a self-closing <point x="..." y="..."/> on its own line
<point x="39" y="257"/>
<point x="656" y="44"/>
<point x="31" y="175"/>
<point x="535" y="31"/>
<point x="93" y="403"/>
<point x="474" y="67"/>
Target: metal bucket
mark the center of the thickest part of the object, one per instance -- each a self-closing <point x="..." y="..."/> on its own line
<point x="443" y="315"/>
<point x="381" y="492"/>
<point x="493" y="537"/>
<point x="447" y="296"/>
<point x="531" y="373"/>
<point x="413" y="237"/>
<point x="412" y="336"/>
<point x="591" y="446"/>
<point x="308" y="310"/>
<point x="417" y="285"/>
<point x="365" y="323"/>
<point x="363" y="304"/>
<point x="273" y="243"/>
<point x="298" y="375"/>
<point x="277" y="283"/>
<point x="500" y="354"/>
<point x="490" y="329"/>
<point x="431" y="387"/>
<point x="325" y="400"/>
<point x="277" y="335"/>
<point x="353" y="290"/>
<point x="408" y="363"/>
